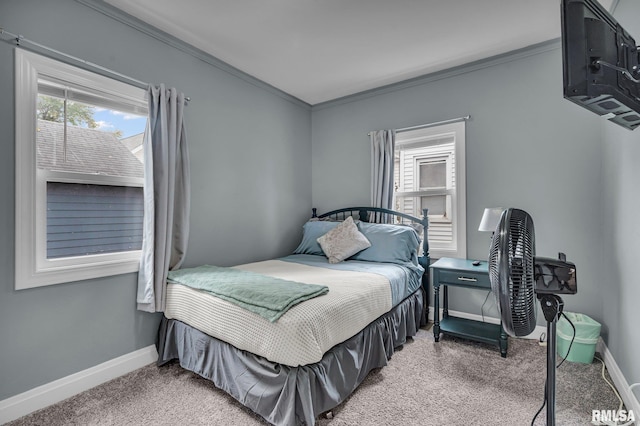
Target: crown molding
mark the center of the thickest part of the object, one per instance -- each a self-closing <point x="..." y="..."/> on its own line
<point x="492" y="61"/>
<point x="121" y="16"/>
<point x="168" y="39"/>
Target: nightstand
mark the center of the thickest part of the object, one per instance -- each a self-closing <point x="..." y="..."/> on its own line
<point x="463" y="273"/>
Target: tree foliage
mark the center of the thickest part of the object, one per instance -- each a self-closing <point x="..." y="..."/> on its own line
<point x="52" y="109"/>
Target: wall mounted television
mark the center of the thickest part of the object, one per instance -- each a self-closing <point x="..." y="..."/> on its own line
<point x="600" y="63"/>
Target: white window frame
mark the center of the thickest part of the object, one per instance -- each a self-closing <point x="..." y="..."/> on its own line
<point x="420" y="192"/>
<point x="456" y="197"/>
<point x="32" y="268"/>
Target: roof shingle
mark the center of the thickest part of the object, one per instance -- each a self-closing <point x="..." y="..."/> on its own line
<point x="87" y="151"/>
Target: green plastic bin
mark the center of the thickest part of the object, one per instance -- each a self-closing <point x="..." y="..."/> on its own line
<point x="584" y="344"/>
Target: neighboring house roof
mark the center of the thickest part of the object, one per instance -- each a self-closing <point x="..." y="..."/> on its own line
<point x="87" y="151"/>
<point x="134" y="144"/>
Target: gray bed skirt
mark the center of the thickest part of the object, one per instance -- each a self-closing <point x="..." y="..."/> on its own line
<point x="286" y="395"/>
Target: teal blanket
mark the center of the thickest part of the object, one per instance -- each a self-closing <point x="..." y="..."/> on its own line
<point x="266" y="296"/>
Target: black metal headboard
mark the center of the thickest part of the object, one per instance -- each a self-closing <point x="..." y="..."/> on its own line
<point x="380" y="215"/>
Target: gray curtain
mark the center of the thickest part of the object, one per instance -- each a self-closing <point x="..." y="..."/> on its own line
<point x="382" y="147"/>
<point x="166" y="194"/>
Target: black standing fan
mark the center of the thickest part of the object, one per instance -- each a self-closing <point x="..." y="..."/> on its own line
<point x="518" y="277"/>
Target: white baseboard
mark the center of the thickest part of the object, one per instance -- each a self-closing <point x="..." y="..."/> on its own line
<point x="58" y="390"/>
<point x="621" y="384"/>
<point x="535" y="335"/>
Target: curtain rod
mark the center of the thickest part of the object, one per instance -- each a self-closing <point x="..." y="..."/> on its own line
<point x="437" y="123"/>
<point x="20" y="39"/>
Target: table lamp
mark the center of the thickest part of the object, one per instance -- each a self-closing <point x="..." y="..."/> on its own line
<point x="490" y="219"/>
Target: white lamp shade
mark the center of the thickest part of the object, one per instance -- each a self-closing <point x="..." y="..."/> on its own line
<point x="490" y="219"/>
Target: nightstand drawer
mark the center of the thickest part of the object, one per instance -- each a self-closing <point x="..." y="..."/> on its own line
<point x="464" y="278"/>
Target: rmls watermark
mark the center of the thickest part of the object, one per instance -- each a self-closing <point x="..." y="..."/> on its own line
<point x="604" y="417"/>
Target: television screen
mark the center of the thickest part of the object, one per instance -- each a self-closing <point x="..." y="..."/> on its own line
<point x="600" y="63"/>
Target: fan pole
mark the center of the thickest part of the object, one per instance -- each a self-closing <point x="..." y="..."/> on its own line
<point x="551" y="308"/>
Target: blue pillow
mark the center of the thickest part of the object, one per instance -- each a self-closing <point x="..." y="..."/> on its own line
<point x="311" y="231"/>
<point x="389" y="243"/>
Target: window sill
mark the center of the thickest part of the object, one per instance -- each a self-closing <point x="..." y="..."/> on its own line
<point x="28" y="275"/>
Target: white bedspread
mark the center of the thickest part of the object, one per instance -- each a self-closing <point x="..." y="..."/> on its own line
<point x="303" y="334"/>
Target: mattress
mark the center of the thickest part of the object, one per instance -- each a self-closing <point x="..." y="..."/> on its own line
<point x="305" y="332"/>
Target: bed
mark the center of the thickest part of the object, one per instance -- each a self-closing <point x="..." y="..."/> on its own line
<point x="316" y="353"/>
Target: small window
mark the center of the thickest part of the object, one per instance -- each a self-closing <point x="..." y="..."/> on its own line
<point x="79" y="173"/>
<point x="429" y="174"/>
<point x="432" y="174"/>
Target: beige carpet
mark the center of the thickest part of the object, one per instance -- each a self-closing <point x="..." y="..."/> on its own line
<point x="452" y="382"/>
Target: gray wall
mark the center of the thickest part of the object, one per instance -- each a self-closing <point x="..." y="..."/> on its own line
<point x="526" y="147"/>
<point x="250" y="153"/>
<point x="621" y="230"/>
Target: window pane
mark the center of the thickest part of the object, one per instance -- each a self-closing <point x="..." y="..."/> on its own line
<point x="91" y="219"/>
<point x="433" y="174"/>
<point x="437" y="204"/>
<point x="98" y="141"/>
<point x="82" y="218"/>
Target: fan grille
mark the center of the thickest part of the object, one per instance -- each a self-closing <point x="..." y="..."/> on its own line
<point x="511" y="271"/>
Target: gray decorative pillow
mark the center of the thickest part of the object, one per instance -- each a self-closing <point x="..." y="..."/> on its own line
<point x="343" y="241"/>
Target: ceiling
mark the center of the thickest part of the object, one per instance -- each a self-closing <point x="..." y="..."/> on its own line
<point x="319" y="50"/>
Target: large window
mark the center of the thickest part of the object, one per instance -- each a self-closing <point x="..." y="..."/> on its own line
<point x="429" y="173"/>
<point x="79" y="173"/>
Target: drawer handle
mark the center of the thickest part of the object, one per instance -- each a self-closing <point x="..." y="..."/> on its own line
<point x="473" y="280"/>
